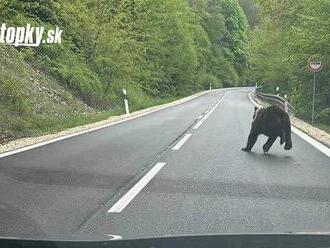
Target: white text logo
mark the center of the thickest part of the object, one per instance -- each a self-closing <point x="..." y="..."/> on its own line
<point x="29" y="36"/>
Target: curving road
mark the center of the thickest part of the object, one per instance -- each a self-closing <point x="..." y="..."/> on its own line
<point x="175" y="171"/>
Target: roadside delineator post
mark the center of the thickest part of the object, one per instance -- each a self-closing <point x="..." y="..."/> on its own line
<point x="285" y="103"/>
<point x="210" y="86"/>
<point x="126" y="101"/>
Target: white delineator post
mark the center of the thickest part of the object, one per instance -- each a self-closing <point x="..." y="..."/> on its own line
<point x="278" y="90"/>
<point x="286" y="103"/>
<point x="126" y="101"/>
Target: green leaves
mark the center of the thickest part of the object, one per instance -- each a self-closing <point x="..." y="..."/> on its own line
<point x="160" y="48"/>
<point x="288" y="33"/>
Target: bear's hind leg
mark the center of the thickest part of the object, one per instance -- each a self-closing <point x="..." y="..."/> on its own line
<point x="269" y="144"/>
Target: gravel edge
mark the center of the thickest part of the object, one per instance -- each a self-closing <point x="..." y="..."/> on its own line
<point x="316" y="133"/>
<point x="23" y="142"/>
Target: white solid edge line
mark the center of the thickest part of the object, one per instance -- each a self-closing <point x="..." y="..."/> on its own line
<point x="29" y="147"/>
<point x="253" y="101"/>
<point x="318" y="145"/>
<point x="181" y="142"/>
<point x="198" y="124"/>
<point x="129" y="196"/>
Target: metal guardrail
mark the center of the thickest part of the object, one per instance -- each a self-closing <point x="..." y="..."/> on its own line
<point x="273" y="99"/>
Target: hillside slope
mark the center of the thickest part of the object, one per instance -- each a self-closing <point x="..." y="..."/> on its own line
<point x="33" y="103"/>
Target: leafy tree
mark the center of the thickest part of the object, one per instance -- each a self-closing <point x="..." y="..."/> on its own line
<point x="288" y="33"/>
<point x="153" y="48"/>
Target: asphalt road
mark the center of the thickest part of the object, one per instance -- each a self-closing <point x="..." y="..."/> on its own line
<point x="166" y="186"/>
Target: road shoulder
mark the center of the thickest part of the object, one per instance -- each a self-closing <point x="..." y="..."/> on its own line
<point x="32" y="142"/>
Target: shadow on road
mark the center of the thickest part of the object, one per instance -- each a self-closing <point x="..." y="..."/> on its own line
<point x="271" y="159"/>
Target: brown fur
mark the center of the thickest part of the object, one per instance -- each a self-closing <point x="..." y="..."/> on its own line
<point x="273" y="122"/>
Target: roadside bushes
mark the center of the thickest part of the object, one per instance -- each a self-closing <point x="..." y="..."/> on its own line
<point x="162" y="48"/>
<point x="280" y="46"/>
<point x="11" y="79"/>
<point x="207" y="79"/>
<point x="324" y="116"/>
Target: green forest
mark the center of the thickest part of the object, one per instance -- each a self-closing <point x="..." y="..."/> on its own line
<point x="158" y="51"/>
<point x="284" y="35"/>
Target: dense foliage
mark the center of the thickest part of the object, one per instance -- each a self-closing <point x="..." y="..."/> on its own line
<point x="286" y="35"/>
<point x="153" y="48"/>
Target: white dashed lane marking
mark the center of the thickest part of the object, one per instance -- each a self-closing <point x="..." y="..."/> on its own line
<point x="129" y="196"/>
<point x="181" y="142"/>
<point x="198" y="124"/>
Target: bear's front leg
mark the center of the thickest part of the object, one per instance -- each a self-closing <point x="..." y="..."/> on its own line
<point x="251" y="141"/>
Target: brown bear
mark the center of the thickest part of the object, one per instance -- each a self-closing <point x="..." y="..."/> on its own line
<point x="273" y="122"/>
